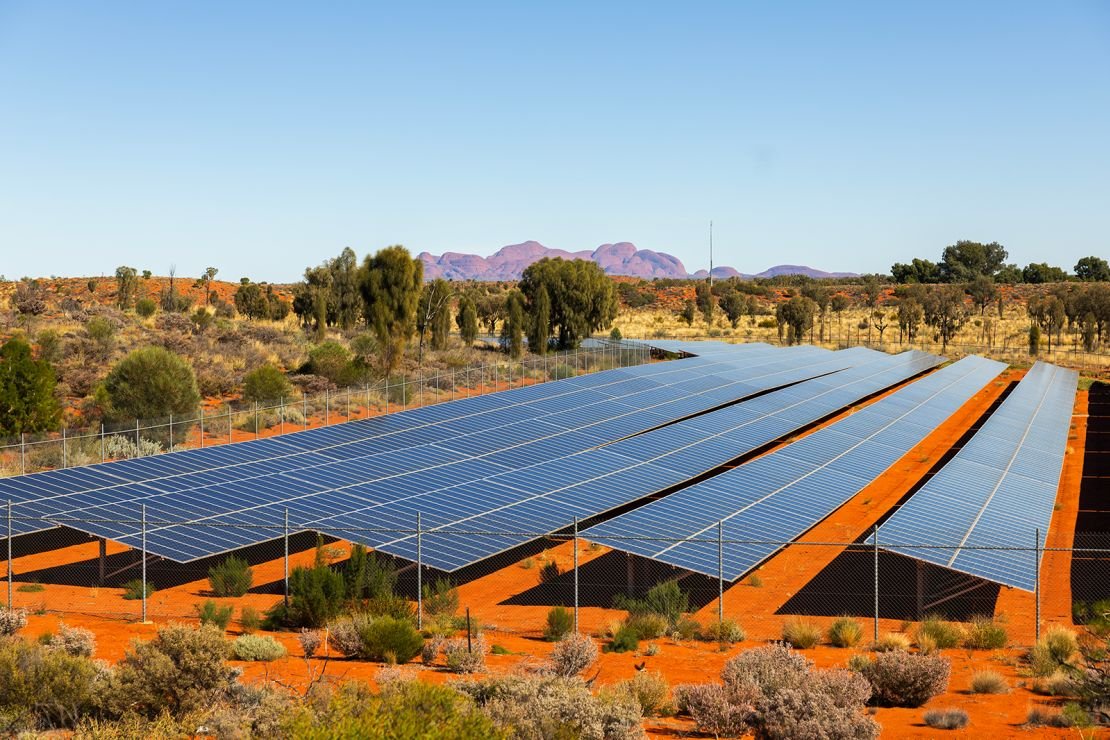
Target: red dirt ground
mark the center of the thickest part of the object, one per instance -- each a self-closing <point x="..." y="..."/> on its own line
<point x="114" y="620"/>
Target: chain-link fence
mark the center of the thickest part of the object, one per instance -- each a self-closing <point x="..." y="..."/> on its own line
<point x="510" y="595"/>
<point x="242" y="421"/>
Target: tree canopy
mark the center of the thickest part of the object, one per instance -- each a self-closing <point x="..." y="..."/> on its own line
<point x="1092" y="269"/>
<point x="150" y="383"/>
<point x="27" y="401"/>
<point x="965" y="260"/>
<point x="582" y="297"/>
<point x="391" y="282"/>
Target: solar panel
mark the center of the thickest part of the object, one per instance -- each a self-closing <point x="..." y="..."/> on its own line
<point x="775" y="498"/>
<point x="652" y="462"/>
<point x="998" y="490"/>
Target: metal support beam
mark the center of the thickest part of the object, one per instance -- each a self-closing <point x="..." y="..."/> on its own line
<point x="102" y="559"/>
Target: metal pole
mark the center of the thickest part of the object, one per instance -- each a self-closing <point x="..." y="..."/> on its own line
<point x="281" y="412"/>
<point x="22" y="453"/>
<point x="229" y="423"/>
<point x="144" y="564"/>
<point x="10" y="605"/>
<point x="256" y="419"/>
<point x="720" y="574"/>
<point x="304" y="408"/>
<point x="876" y="540"/>
<point x="102" y="455"/>
<point x="63" y="448"/>
<point x="171" y="432"/>
<point x="420" y="578"/>
<point x="348" y="404"/>
<point x="137" y="448"/>
<point x="576" y="575"/>
<point x="202" y="427"/>
<point x="285" y="578"/>
<point x="327" y="406"/>
<point x="1037" y="586"/>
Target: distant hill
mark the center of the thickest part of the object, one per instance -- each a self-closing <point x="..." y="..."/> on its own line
<point x="621" y="258"/>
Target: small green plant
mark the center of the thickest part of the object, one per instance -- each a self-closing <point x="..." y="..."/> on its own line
<point x="30" y="588"/>
<point x="1056" y="649"/>
<point x="549" y="571"/>
<point x="664" y="599"/>
<point x="727" y="631"/>
<point x="1038" y="717"/>
<point x="560" y="622"/>
<point x="845" y="632"/>
<point x="941" y="634"/>
<point x="257" y="648"/>
<point x="801" y="634"/>
<point x="500" y="650"/>
<point x="755" y="581"/>
<point x="214" y="614"/>
<point x="232" y="577"/>
<point x="946" y="719"/>
<point x="891" y="641"/>
<point x="133" y="590"/>
<point x="250" y="620"/>
<point x="624" y="641"/>
<point x="1056" y="684"/>
<point x="988" y="682"/>
<point x="650" y="690"/>
<point x="648" y="626"/>
<point x="985" y="634"/>
<point x="389" y="640"/>
<point x="440" y="598"/>
<point x="528" y="563"/>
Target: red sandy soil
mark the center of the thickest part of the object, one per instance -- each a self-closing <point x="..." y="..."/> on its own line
<point x="516" y="628"/>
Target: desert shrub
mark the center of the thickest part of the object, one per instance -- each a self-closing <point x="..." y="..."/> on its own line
<point x="801" y="634"/>
<point x="1056" y="684"/>
<point x="900" y="679"/>
<point x="45" y="688"/>
<point x="1095" y="615"/>
<point x="942" y="634"/>
<point x="12" y="621"/>
<point x="813" y="712"/>
<point x="390" y="640"/>
<point x="266" y="383"/>
<point x="685" y="629"/>
<point x="554" y="707"/>
<point x="310" y="641"/>
<point x="946" y="719"/>
<point x="549" y="571"/>
<point x="440" y="598"/>
<point x="367" y="575"/>
<point x="891" y="641"/>
<point x="560" y="621"/>
<point x="1056" y="648"/>
<point x="433" y="646"/>
<point x="250" y="620"/>
<point x="715" y="709"/>
<point x="765" y="669"/>
<point x="316" y="595"/>
<point x="625" y="640"/>
<point x="572" y="655"/>
<point x="650" y="690"/>
<point x="257" y="647"/>
<point x="1040" y="717"/>
<point x="145" y="307"/>
<point x="182" y="669"/>
<point x="343" y="634"/>
<point x="647" y="626"/>
<point x="500" y="650"/>
<point x="461" y="658"/>
<point x="232" y="577"/>
<point x="727" y="631"/>
<point x="76" y="641"/>
<point x="985" y="634"/>
<point x="988" y="682"/>
<point x="845" y="632"/>
<point x="664" y="599"/>
<point x="134" y="590"/>
<point x="397" y="607"/>
<point x="214" y="614"/>
<point x="1091" y="679"/>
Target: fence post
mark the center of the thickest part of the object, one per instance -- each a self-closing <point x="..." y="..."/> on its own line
<point x="420" y="576"/>
<point x="138" y="448"/>
<point x="144" y="564"/>
<point x="876" y="540"/>
<point x="22" y="453"/>
<point x="281" y="415"/>
<point x="720" y="574"/>
<point x="348" y="404"/>
<point x="10" y="604"/>
<point x="1037" y="587"/>
<point x="256" y="419"/>
<point x="202" y="427"/>
<point x="63" y="448"/>
<point x="576" y="575"/>
<point x="229" y="422"/>
<point x="327" y="406"/>
<point x="171" y="432"/>
<point x="285" y="577"/>
<point x="102" y="449"/>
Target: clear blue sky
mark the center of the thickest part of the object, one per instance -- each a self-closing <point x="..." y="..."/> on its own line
<point x="262" y="137"/>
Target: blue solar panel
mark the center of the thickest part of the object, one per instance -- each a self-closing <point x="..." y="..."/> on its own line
<point x="776" y="498"/>
<point x="997" y="491"/>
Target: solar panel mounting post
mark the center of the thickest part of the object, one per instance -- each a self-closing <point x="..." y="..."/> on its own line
<point x="1037" y="584"/>
<point x="720" y="575"/>
<point x="876" y="540"/>
<point x="285" y="577"/>
<point x="9" y="538"/>
<point x="420" y="576"/>
<point x="576" y="575"/>
<point x="144" y="563"/>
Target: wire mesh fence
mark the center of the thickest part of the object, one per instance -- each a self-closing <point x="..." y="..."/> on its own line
<point x="64" y="572"/>
<point x="242" y="421"/>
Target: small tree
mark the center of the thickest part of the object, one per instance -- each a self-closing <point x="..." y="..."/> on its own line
<point x="689" y="312"/>
<point x="207" y="278"/>
<point x="27" y="401"/>
<point x="127" y="284"/>
<point x="467" y="320"/>
<point x="512" y="332"/>
<point x="150" y="383"/>
<point x="266" y="383"/>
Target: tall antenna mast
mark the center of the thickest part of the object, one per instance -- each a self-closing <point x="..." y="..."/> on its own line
<point x="711" y="271"/>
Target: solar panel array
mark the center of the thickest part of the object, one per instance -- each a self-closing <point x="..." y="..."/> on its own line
<point x="997" y="491"/>
<point x="549" y="497"/>
<point x="775" y="498"/>
<point x="238" y="488"/>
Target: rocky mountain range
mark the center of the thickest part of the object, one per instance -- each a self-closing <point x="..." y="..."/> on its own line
<point x="621" y="258"/>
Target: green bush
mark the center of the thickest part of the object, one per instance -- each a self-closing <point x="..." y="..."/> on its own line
<point x="624" y="641"/>
<point x="650" y="690"/>
<point x="900" y="679"/>
<point x="939" y="634"/>
<point x="215" y="614"/>
<point x="368" y="576"/>
<point x="801" y="634"/>
<point x="988" y="682"/>
<point x="133" y="590"/>
<point x="726" y="631"/>
<point x="150" y="383"/>
<point x="549" y="571"/>
<point x="257" y="647"/>
<point x="985" y="634"/>
<point x="572" y="655"/>
<point x="250" y="620"/>
<point x="440" y="598"/>
<point x="146" y="307"/>
<point x="647" y="626"/>
<point x="232" y="577"/>
<point x="665" y="599"/>
<point x="560" y="622"/>
<point x="389" y="640"/>
<point x="316" y="595"/>
<point x="182" y="669"/>
<point x="845" y="632"/>
<point x="1056" y="649"/>
<point x="266" y="383"/>
<point x="44" y="688"/>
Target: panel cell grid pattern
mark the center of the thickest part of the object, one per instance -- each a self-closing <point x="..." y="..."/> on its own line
<point x="550" y="496"/>
<point x="778" y="497"/>
<point x="997" y="491"/>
